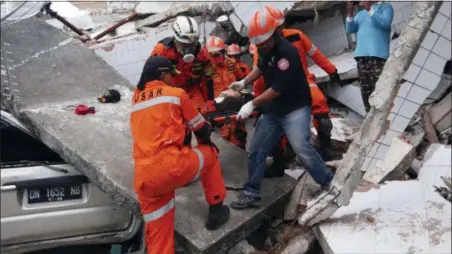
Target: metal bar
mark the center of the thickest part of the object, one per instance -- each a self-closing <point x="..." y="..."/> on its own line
<point x="46" y="7"/>
<point x="115" y="26"/>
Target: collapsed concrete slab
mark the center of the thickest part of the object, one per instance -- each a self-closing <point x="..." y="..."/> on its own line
<point x="397" y="160"/>
<point x="55" y="73"/>
<point x="399" y="217"/>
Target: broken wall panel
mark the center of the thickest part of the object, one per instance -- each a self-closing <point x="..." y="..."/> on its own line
<point x="128" y="55"/>
<point x="397" y="217"/>
<point x="421" y="80"/>
<point x="55" y="73"/>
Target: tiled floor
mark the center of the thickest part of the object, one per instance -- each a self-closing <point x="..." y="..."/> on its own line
<point x="410" y="217"/>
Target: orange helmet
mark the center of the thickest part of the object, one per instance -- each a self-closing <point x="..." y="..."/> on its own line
<point x="215" y="44"/>
<point x="234" y="50"/>
<point x="252" y="49"/>
<point x="261" y="28"/>
<point x="276" y="13"/>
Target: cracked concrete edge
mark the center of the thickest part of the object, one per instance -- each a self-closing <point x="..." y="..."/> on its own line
<point x="114" y="190"/>
<point x="387" y="86"/>
<point x="322" y="240"/>
<point x="374" y="126"/>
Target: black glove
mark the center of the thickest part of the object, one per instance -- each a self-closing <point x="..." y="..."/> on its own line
<point x="204" y="137"/>
<point x="336" y="79"/>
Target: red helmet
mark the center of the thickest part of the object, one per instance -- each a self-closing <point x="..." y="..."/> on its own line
<point x="215" y="44"/>
<point x="276" y="13"/>
<point x="233" y="50"/>
<point x="261" y="28"/>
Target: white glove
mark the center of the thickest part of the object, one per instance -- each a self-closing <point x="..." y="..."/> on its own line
<point x="237" y="85"/>
<point x="245" y="111"/>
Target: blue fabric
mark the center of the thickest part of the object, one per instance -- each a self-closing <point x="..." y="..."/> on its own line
<point x="269" y="130"/>
<point x="373" y="30"/>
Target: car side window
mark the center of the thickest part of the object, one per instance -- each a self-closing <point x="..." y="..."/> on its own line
<point x="17" y="146"/>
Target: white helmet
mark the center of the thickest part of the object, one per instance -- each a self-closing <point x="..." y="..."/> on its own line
<point x="186" y="29"/>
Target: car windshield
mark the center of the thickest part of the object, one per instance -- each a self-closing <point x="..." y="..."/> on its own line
<point x="18" y="148"/>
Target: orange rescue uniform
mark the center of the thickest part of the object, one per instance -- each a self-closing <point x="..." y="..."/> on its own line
<point x="160" y="116"/>
<point x="222" y="76"/>
<point x="258" y="84"/>
<point x="190" y="78"/>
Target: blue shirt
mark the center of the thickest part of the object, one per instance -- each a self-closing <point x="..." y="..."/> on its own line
<point x="373" y="30"/>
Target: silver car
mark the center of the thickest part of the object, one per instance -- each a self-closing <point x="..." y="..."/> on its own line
<point x="46" y="203"/>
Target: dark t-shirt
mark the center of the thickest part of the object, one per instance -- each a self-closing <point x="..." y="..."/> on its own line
<point x="282" y="71"/>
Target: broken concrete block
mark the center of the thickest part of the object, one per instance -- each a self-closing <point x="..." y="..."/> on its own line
<point x="445" y="122"/>
<point x="242" y="247"/>
<point x="399" y="217"/>
<point x="100" y="145"/>
<point x="291" y="208"/>
<point x="397" y="160"/>
<point x="441" y="109"/>
<point x="300" y="244"/>
<point x="447" y="181"/>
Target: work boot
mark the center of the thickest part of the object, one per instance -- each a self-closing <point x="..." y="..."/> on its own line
<point x="244" y="201"/>
<point x="218" y="215"/>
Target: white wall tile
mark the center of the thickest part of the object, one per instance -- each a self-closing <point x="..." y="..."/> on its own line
<point x="381" y="151"/>
<point x="421" y="56"/>
<point x="429" y="40"/>
<point x="372" y="164"/>
<point x="435" y="64"/>
<point x="438" y="23"/>
<point x="412" y="73"/>
<point x="404" y="89"/>
<point x="446" y="8"/>
<point x="397" y="104"/>
<point x="418" y="94"/>
<point x="408" y="109"/>
<point x="373" y="150"/>
<point x="399" y="123"/>
<point x="427" y="80"/>
<point x="447" y="30"/>
<point x="366" y="163"/>
<point x="390" y="135"/>
<point x="443" y="47"/>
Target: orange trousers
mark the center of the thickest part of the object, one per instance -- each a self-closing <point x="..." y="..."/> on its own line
<point x="235" y="133"/>
<point x="156" y="187"/>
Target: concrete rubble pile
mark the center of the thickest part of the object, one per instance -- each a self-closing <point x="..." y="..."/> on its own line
<point x="402" y="204"/>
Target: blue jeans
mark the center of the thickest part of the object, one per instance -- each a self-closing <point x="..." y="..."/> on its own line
<point x="269" y="129"/>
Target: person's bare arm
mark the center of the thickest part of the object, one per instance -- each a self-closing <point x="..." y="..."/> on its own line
<point x="265" y="97"/>
<point x="253" y="75"/>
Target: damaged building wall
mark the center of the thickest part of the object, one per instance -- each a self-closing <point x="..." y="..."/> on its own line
<point x="328" y="35"/>
<point x="422" y="77"/>
<point x="128" y="56"/>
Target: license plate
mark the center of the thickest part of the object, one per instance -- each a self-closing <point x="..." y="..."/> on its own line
<point x="54" y="194"/>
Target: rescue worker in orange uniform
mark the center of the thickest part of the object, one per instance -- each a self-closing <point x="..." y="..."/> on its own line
<point x="163" y="162"/>
<point x="258" y="84"/>
<point x="186" y="53"/>
<point x="235" y="52"/>
<point x="220" y="74"/>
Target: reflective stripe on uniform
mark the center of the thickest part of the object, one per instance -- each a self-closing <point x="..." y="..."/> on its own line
<point x="311" y="50"/>
<point x="313" y="85"/>
<point x="201" y="164"/>
<point x="156" y="101"/>
<point x="195" y="122"/>
<point x="261" y="38"/>
<point x="152" y="216"/>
